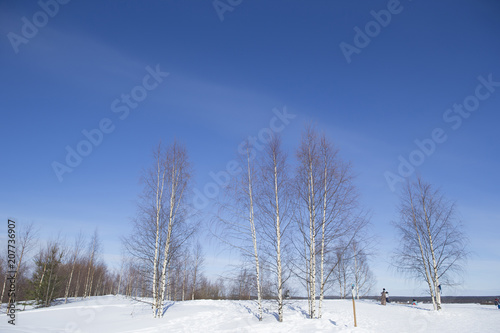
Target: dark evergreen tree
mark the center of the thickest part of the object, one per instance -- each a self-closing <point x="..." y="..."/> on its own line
<point x="46" y="283"/>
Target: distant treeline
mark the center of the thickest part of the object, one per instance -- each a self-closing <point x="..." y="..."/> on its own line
<point x="485" y="300"/>
<point x="445" y="299"/>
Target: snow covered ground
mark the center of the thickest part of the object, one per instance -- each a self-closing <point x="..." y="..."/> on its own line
<point x="109" y="314"/>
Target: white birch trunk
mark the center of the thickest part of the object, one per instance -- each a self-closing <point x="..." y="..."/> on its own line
<point x="177" y="174"/>
<point x="427" y="273"/>
<point x="3" y="288"/>
<point x="278" y="244"/>
<point x="254" y="235"/>
<point x="312" y="238"/>
<point x="194" y="277"/>
<point x="88" y="285"/>
<point x="160" y="180"/>
<point x="323" y="231"/>
<point x="91" y="281"/>
<point x="66" y="294"/>
<point x="434" y="264"/>
<point x="120" y="280"/>
<point x="184" y="282"/>
<point x="77" y="286"/>
<point x="169" y="235"/>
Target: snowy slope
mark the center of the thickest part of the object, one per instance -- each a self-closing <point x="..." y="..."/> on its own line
<point x="109" y="314"/>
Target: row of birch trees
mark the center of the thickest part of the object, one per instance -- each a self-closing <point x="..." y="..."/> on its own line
<point x="293" y="217"/>
<point x="55" y="270"/>
<point x="328" y="215"/>
<point x="184" y="277"/>
<point x="163" y="225"/>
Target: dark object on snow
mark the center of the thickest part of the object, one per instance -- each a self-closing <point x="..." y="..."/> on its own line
<point x="287" y="294"/>
<point x="497" y="303"/>
<point x="384" y="298"/>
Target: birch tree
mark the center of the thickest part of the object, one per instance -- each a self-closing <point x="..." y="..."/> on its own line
<point x="361" y="272"/>
<point x="79" y="241"/>
<point x="309" y="191"/>
<point x="198" y="260"/>
<point x="236" y="222"/>
<point x="161" y="229"/>
<point x="328" y="213"/>
<point x="94" y="247"/>
<point x="342" y="217"/>
<point x="80" y="268"/>
<point x="156" y="185"/>
<point x="178" y="173"/>
<point x="433" y="246"/>
<point x="275" y="209"/>
<point x="343" y="273"/>
<point x="186" y="257"/>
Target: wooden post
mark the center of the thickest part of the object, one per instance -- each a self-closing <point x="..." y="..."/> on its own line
<point x="354" y="305"/>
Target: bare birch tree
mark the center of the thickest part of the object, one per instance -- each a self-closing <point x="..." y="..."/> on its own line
<point x="342" y="271"/>
<point x="94" y="247"/>
<point x="363" y="276"/>
<point x="178" y="174"/>
<point x="161" y="229"/>
<point x="342" y="218"/>
<point x="79" y="240"/>
<point x="77" y="284"/>
<point x="432" y="246"/>
<point x="185" y="262"/>
<point x="198" y="260"/>
<point x="235" y="222"/>
<point x="308" y="184"/>
<point x="156" y="184"/>
<point x="275" y="209"/>
<point x="328" y="213"/>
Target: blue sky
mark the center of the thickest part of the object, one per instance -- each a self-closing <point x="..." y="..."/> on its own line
<point x="224" y="79"/>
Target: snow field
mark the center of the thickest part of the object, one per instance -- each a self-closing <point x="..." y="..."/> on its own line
<point x="109" y="314"/>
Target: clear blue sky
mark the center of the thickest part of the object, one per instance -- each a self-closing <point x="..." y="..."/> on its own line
<point x="63" y="75"/>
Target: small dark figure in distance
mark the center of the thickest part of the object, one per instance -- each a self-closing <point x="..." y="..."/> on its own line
<point x="497" y="303"/>
<point x="287" y="294"/>
<point x="383" y="298"/>
<point x="414" y="302"/>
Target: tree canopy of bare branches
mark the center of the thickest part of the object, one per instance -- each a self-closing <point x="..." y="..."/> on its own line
<point x="327" y="213"/>
<point x="275" y="207"/>
<point x="235" y="223"/>
<point x="161" y="226"/>
<point x="433" y="245"/>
